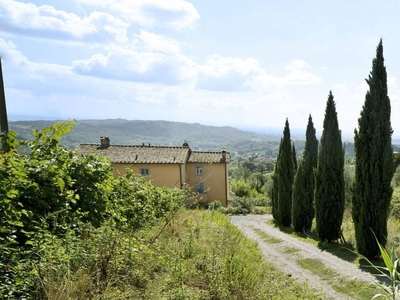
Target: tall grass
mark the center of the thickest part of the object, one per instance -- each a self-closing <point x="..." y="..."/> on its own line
<point x="198" y="255"/>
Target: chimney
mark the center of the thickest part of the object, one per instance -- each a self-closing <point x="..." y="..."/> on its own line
<point x="223" y="154"/>
<point x="105" y="142"/>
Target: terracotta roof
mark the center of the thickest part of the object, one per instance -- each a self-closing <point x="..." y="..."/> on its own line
<point x="136" y="154"/>
<point x="208" y="157"/>
<point x="150" y="154"/>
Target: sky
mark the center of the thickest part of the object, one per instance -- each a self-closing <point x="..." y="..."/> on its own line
<point x="246" y="64"/>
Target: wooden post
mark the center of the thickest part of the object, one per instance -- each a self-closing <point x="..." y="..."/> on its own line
<point x="3" y="111"/>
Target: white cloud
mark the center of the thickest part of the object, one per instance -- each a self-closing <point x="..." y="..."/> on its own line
<point x="363" y="86"/>
<point x="227" y="73"/>
<point x="157" y="43"/>
<point x="235" y="74"/>
<point x="392" y="82"/>
<point x="178" y="14"/>
<point x="47" y="22"/>
<point x="136" y="66"/>
<point x="298" y="75"/>
<point x="341" y="86"/>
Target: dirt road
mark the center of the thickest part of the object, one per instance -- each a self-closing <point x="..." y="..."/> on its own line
<point x="286" y="251"/>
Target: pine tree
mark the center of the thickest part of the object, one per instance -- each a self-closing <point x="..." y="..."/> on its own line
<point x="303" y="189"/>
<point x="329" y="177"/>
<point x="285" y="179"/>
<point x="374" y="163"/>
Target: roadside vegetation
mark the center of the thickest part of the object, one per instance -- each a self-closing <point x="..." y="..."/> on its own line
<point x="70" y="230"/>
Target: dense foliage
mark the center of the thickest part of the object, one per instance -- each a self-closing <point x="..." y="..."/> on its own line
<point x="299" y="217"/>
<point x="285" y="176"/>
<point x="374" y="163"/>
<point x="49" y="197"/>
<point x="329" y="178"/>
<point x="303" y="190"/>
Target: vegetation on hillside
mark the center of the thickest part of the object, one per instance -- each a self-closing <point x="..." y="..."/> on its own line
<point x="70" y="230"/>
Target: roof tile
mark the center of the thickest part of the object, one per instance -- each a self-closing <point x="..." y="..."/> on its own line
<point x="151" y="154"/>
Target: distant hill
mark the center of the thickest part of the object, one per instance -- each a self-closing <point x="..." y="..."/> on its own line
<point x="166" y="133"/>
<point x="128" y="132"/>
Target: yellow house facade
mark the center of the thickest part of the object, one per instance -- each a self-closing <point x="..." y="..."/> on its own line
<point x="205" y="172"/>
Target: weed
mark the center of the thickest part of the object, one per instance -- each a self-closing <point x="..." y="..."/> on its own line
<point x="267" y="238"/>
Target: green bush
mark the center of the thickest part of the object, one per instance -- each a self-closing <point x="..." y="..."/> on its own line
<point x="395" y="203"/>
<point x="136" y="202"/>
<point x="240" y="187"/>
<point x="215" y="205"/>
<point x="240" y="206"/>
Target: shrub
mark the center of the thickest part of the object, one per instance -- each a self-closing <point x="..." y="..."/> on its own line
<point x="215" y="205"/>
<point x="240" y="206"/>
<point x="240" y="187"/>
<point x="395" y="204"/>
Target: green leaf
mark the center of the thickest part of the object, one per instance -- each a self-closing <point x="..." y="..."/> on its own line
<point x="61" y="183"/>
<point x="386" y="258"/>
<point x="12" y="193"/>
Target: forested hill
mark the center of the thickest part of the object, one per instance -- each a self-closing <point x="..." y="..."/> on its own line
<point x="165" y="133"/>
<point x="126" y="132"/>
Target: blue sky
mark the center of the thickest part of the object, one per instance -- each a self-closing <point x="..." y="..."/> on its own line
<point x="247" y="64"/>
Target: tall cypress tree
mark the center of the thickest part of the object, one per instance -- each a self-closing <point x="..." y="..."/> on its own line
<point x="275" y="188"/>
<point x="329" y="177"/>
<point x="299" y="216"/>
<point x="285" y="178"/>
<point x="303" y="189"/>
<point x="374" y="163"/>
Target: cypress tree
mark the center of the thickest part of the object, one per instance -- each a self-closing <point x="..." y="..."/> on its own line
<point x="329" y="177"/>
<point x="294" y="158"/>
<point x="303" y="189"/>
<point x="374" y="163"/>
<point x="299" y="216"/>
<point x="275" y="188"/>
<point x="285" y="178"/>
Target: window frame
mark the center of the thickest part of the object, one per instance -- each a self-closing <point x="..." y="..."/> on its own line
<point x="197" y="169"/>
<point x="199" y="187"/>
<point x="144" y="172"/>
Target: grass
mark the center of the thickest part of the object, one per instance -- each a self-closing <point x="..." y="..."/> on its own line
<point x="344" y="251"/>
<point x="198" y="255"/>
<point x="353" y="288"/>
<point x="266" y="238"/>
<point x="290" y="250"/>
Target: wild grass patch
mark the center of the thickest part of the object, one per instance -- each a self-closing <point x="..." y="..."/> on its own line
<point x="291" y="250"/>
<point x="194" y="255"/>
<point x="266" y="238"/>
<point x="353" y="288"/>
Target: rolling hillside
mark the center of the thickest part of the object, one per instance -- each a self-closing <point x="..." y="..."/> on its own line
<point x="124" y="132"/>
<point x="200" y="137"/>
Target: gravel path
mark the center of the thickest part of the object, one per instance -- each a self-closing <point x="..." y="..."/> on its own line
<point x="275" y="253"/>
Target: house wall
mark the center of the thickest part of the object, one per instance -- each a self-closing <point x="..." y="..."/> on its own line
<point x="214" y="178"/>
<point x="161" y="174"/>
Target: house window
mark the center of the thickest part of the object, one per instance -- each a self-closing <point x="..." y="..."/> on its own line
<point x="198" y="171"/>
<point x="144" y="172"/>
<point x="199" y="188"/>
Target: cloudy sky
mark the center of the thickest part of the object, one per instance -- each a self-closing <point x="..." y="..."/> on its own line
<point x="247" y="64"/>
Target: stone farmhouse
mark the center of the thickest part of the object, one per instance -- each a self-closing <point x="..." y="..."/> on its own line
<point x="206" y="173"/>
